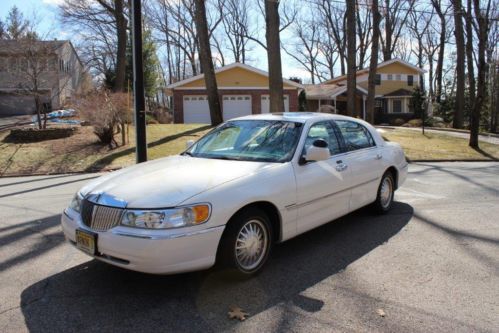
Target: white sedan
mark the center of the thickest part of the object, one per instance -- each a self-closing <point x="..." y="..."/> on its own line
<point x="246" y="185"/>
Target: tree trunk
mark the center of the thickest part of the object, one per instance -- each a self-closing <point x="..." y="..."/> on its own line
<point x="207" y="63"/>
<point x="460" y="73"/>
<point x="351" y="50"/>
<point x="483" y="29"/>
<point x="121" y="25"/>
<point x="469" y="55"/>
<point x="274" y="55"/>
<point x="373" y="64"/>
<point x="495" y="121"/>
<point x="441" y="51"/>
<point x="387" y="53"/>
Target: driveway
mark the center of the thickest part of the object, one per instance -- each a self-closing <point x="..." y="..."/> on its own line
<point x="431" y="264"/>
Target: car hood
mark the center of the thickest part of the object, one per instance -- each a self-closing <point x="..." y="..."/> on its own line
<point x="169" y="181"/>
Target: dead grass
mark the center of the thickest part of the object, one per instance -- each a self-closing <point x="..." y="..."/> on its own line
<point x="82" y="153"/>
<point x="432" y="146"/>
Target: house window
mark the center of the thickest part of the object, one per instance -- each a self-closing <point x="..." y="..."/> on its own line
<point x="390" y="77"/>
<point x="378" y="103"/>
<point x="398" y="77"/>
<point x="377" y="79"/>
<point x="410" y="80"/>
<point x="397" y="106"/>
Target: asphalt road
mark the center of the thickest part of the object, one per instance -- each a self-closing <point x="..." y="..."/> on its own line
<point x="432" y="264"/>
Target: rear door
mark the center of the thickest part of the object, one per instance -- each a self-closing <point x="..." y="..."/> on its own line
<point x="323" y="188"/>
<point x="363" y="158"/>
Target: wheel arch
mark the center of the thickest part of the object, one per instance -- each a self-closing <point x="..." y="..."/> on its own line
<point x="393" y="170"/>
<point x="272" y="212"/>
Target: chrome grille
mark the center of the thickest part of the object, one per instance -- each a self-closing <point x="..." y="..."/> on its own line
<point x="100" y="218"/>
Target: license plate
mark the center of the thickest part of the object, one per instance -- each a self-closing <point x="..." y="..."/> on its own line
<point x="86" y="241"/>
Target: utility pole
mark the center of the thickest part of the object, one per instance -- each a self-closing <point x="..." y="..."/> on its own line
<point x="139" y="99"/>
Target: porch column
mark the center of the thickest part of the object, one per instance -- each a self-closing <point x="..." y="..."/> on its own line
<point x="364" y="107"/>
<point x="335" y="109"/>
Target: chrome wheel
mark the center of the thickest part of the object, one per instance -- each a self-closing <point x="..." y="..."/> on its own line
<point x="251" y="244"/>
<point x="386" y="192"/>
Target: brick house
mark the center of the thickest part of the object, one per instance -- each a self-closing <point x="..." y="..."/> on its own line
<point x="395" y="83"/>
<point x="243" y="90"/>
<point x="55" y="65"/>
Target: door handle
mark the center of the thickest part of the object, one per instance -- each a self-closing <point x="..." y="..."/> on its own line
<point x="379" y="156"/>
<point x="341" y="166"/>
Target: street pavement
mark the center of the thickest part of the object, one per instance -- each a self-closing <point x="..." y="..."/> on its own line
<point x="430" y="265"/>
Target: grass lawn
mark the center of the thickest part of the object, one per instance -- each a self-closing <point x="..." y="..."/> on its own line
<point x="82" y="153"/>
<point x="433" y="146"/>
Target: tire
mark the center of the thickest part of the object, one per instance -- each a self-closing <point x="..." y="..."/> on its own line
<point x="386" y="190"/>
<point x="246" y="255"/>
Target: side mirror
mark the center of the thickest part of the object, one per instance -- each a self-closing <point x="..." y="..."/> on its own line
<point x="189" y="143"/>
<point x="318" y="151"/>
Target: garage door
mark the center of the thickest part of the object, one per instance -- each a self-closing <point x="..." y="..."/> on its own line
<point x="266" y="103"/>
<point x="196" y="109"/>
<point x="236" y="106"/>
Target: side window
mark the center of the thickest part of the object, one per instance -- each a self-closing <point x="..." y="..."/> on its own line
<point x="323" y="130"/>
<point x="355" y="135"/>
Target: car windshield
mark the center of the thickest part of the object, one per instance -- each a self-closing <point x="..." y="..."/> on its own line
<point x="249" y="140"/>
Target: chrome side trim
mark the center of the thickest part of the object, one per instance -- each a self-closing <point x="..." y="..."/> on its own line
<point x="174" y="236"/>
<point x="295" y="206"/>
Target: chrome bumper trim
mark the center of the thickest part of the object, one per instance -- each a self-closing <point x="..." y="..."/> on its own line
<point x="186" y="234"/>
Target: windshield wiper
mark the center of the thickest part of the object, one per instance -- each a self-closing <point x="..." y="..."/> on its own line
<point x="187" y="153"/>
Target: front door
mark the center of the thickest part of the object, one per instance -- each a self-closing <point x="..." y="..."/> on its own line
<point x="323" y="188"/>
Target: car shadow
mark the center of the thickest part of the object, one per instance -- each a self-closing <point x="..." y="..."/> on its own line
<point x="98" y="297"/>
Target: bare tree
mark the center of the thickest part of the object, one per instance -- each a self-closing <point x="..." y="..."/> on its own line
<point x="373" y="63"/>
<point x="206" y="62"/>
<point x="460" y="69"/>
<point x="437" y="5"/>
<point x="101" y="17"/>
<point x="332" y="19"/>
<point x="272" y="24"/>
<point x="469" y="54"/>
<point x="351" y="48"/>
<point x="235" y="21"/>
<point x="305" y="48"/>
<point x="395" y="15"/>
<point x="418" y="25"/>
<point x="364" y="30"/>
<point x="482" y="16"/>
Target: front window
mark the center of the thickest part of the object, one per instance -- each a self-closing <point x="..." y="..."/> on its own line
<point x="249" y="140"/>
<point x="325" y="131"/>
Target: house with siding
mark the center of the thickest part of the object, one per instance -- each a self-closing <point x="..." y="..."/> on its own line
<point x="395" y="83"/>
<point x="54" y="65"/>
<point x="243" y="90"/>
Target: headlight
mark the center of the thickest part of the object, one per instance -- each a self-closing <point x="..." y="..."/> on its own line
<point x="167" y="218"/>
<point x="75" y="203"/>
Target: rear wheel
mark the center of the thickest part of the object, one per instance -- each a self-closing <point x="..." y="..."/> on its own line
<point x="386" y="189"/>
<point x="246" y="243"/>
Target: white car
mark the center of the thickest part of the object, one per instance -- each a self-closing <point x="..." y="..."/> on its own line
<point x="249" y="183"/>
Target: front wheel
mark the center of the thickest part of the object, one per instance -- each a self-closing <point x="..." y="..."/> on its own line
<point x="246" y="242"/>
<point x="384" y="198"/>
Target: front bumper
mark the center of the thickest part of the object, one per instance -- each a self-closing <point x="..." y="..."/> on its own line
<point x="150" y="251"/>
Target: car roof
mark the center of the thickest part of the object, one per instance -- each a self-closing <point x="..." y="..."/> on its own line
<point x="299" y="116"/>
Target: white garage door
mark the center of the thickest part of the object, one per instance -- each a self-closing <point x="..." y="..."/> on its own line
<point x="236" y="106"/>
<point x="266" y="103"/>
<point x="196" y="109"/>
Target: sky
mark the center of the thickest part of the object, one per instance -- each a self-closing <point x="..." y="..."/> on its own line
<point x="49" y="27"/>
